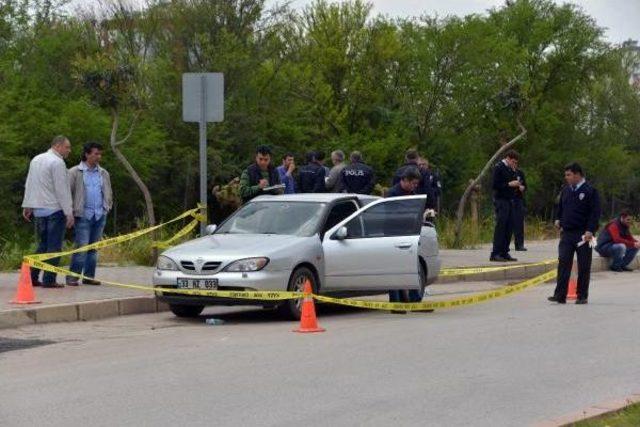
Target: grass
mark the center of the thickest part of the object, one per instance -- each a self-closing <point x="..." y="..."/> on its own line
<point x="473" y="236"/>
<point x="133" y="252"/>
<point x="628" y="417"/>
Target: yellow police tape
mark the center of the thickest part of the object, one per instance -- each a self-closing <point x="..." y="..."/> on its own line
<point x="183" y="232"/>
<point x="282" y="295"/>
<point x="38" y="261"/>
<point x="249" y="295"/>
<point x="463" y="271"/>
<point x="449" y="303"/>
<point x="118" y="239"/>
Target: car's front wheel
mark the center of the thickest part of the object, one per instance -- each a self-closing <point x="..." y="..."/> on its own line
<point x="292" y="308"/>
<point x="186" y="310"/>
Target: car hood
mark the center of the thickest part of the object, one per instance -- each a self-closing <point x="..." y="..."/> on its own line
<point x="233" y="246"/>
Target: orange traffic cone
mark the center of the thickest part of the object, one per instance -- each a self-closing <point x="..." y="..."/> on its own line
<point x="24" y="293"/>
<point x="572" y="294"/>
<point x="308" y="320"/>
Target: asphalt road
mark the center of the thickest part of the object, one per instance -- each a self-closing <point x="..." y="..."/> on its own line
<point x="513" y="361"/>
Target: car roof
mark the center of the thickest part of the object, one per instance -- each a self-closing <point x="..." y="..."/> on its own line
<point x="314" y="197"/>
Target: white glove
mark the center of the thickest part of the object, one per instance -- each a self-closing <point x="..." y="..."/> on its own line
<point x="592" y="243"/>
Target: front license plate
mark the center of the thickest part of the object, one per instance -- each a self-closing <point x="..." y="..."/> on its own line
<point x="197" y="283"/>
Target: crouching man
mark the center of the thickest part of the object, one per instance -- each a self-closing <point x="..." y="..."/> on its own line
<point x="617" y="242"/>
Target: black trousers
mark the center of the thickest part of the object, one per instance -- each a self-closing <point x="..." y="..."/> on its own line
<point x="518" y="222"/>
<point x="504" y="227"/>
<point x="566" y="248"/>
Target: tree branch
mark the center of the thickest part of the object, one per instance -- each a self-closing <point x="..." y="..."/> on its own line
<point x="131" y="127"/>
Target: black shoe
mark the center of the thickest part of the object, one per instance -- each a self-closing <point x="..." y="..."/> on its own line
<point x="616" y="269"/>
<point x="36" y="283"/>
<point x="91" y="282"/>
<point x="510" y="258"/>
<point x="556" y="299"/>
<point x="627" y="269"/>
<point x="72" y="283"/>
<point x="497" y="258"/>
<point x="581" y="301"/>
<point x="522" y="249"/>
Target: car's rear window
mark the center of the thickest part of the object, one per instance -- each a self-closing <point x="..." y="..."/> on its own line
<point x="275" y="217"/>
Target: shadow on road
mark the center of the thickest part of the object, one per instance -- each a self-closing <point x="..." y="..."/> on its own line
<point x="248" y="315"/>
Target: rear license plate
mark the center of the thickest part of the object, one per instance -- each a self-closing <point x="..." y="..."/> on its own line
<point x="197" y="283"/>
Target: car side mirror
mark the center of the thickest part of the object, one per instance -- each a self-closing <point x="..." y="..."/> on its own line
<point x="210" y="229"/>
<point x="341" y="234"/>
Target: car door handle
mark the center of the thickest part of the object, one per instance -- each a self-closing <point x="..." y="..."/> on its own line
<point x="404" y="245"/>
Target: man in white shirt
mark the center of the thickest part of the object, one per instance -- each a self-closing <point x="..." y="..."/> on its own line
<point x="47" y="198"/>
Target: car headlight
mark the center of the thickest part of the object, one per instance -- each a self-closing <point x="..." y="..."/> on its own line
<point x="166" y="263"/>
<point x="248" y="264"/>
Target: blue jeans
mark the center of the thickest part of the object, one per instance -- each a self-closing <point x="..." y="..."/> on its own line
<point x="87" y="231"/>
<point x="50" y="231"/>
<point x="620" y="254"/>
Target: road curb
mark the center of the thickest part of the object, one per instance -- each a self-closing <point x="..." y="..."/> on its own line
<point x="80" y="311"/>
<point x="592" y="412"/>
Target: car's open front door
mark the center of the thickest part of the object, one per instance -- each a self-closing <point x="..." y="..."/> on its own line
<point x="376" y="248"/>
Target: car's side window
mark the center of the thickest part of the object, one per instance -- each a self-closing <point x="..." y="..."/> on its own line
<point x="338" y="213"/>
<point x="387" y="219"/>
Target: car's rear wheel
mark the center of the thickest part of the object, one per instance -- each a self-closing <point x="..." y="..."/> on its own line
<point x="292" y="309"/>
<point x="186" y="310"/>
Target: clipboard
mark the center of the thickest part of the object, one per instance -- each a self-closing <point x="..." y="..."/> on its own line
<point x="274" y="187"/>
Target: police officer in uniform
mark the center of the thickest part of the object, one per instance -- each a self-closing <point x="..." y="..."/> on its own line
<point x="577" y="217"/>
<point x="311" y="176"/>
<point x="519" y="210"/>
<point x="431" y="184"/>
<point x="505" y="183"/>
<point x="358" y="178"/>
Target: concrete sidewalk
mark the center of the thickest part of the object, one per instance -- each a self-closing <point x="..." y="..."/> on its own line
<point x="93" y="302"/>
<point x="82" y="302"/>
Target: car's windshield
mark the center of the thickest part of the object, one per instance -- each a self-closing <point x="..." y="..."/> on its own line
<point x="288" y="218"/>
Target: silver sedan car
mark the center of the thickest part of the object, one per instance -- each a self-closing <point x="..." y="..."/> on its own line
<point x="344" y="244"/>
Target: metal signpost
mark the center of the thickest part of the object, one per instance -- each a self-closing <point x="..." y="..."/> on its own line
<point x="203" y="102"/>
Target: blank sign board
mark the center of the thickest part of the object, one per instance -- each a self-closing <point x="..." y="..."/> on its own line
<point x="202" y="90"/>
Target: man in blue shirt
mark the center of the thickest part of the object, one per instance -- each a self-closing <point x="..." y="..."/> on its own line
<point x="286" y="173"/>
<point x="92" y="201"/>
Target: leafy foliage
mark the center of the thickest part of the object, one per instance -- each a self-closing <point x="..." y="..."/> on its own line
<point x="329" y="76"/>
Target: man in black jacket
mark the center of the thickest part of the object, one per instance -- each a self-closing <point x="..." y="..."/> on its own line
<point x="412" y="160"/>
<point x="505" y="183"/>
<point x="432" y="186"/>
<point x="311" y="176"/>
<point x="408" y="184"/>
<point x="357" y="178"/>
<point x="578" y="217"/>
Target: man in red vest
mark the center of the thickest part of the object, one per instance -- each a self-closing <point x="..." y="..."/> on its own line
<point x="617" y="242"/>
